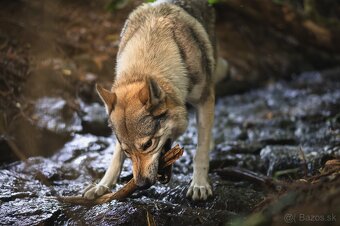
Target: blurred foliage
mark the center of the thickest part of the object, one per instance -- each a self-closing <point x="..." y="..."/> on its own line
<point x="211" y="2"/>
<point x="256" y="219"/>
<point x="295" y="3"/>
<point x="119" y="4"/>
<point x="324" y="12"/>
<point x="116" y="4"/>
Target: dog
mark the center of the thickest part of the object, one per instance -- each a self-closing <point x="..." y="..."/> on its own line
<point x="166" y="59"/>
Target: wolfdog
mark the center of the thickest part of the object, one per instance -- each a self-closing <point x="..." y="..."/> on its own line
<point x="166" y="59"/>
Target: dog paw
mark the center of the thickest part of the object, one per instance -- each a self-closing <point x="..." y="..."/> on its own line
<point x="199" y="190"/>
<point x="95" y="190"/>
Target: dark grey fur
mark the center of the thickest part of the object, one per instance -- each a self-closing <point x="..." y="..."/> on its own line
<point x="203" y="12"/>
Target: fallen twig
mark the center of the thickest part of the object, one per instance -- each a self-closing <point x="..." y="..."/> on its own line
<point x="166" y="160"/>
<point x="244" y="174"/>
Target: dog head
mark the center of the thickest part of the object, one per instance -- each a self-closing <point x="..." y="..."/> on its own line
<point x="146" y="120"/>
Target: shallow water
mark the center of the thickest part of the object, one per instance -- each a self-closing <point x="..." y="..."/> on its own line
<point x="285" y="125"/>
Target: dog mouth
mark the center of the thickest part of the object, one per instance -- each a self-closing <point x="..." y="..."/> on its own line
<point x="164" y="175"/>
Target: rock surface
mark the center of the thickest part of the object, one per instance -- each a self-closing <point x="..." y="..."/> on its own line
<point x="287" y="126"/>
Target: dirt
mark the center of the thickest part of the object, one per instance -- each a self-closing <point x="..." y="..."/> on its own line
<point x="52" y="50"/>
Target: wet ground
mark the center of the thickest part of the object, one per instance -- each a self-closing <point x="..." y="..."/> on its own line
<point x="284" y="126"/>
<point x="285" y="130"/>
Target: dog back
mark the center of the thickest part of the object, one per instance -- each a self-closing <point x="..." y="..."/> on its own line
<point x="203" y="13"/>
<point x="171" y="40"/>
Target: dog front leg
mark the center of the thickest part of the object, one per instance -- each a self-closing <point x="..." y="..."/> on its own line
<point x="110" y="178"/>
<point x="200" y="188"/>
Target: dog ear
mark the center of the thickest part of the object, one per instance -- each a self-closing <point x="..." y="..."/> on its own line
<point x="151" y="95"/>
<point x="109" y="98"/>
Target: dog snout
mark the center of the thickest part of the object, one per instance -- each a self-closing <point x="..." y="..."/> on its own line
<point x="144" y="182"/>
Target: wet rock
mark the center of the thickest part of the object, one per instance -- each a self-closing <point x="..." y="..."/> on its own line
<point x="46" y="170"/>
<point x="249" y="161"/>
<point x="54" y="114"/>
<point x="29" y="211"/>
<point x="281" y="157"/>
<point x="87" y="153"/>
<point x="117" y="214"/>
<point x="95" y="120"/>
<point x="226" y="194"/>
<point x="237" y="153"/>
<point x="272" y="135"/>
<point x="316" y="133"/>
<point x="16" y="182"/>
<point x="81" y="144"/>
<point x="284" y="157"/>
<point x="12" y="186"/>
<point x="195" y="215"/>
<point x="238" y="147"/>
<point x="261" y="130"/>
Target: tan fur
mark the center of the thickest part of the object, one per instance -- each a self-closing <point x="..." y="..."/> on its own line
<point x="157" y="37"/>
<point x="107" y="97"/>
<point x="166" y="59"/>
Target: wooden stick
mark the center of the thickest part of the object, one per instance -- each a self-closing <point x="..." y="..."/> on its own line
<point x="166" y="160"/>
<point x="244" y="174"/>
<point x="121" y="194"/>
<point x="171" y="156"/>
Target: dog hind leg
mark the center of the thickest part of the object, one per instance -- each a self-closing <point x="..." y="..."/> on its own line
<point x="221" y="72"/>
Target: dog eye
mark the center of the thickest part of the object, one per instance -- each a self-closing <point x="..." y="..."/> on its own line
<point x="147" y="145"/>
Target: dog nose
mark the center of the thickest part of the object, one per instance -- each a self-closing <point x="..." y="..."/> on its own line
<point x="144" y="183"/>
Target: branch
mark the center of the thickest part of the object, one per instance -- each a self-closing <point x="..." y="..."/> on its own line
<point x="166" y="160"/>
